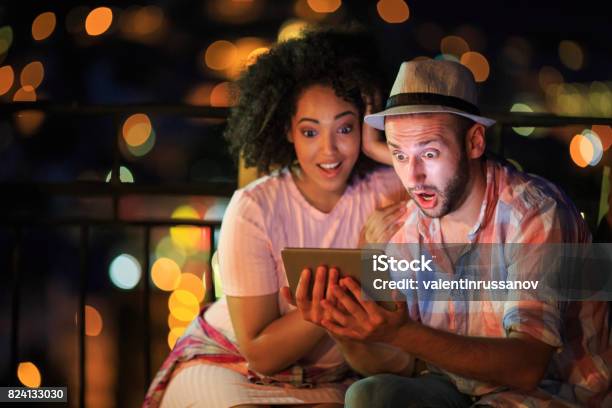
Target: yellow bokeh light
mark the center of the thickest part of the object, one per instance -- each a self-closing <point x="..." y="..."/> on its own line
<point x="137" y="129"/>
<point x="454" y="45"/>
<point x="32" y="74"/>
<point x="478" y="64"/>
<point x="98" y="21"/>
<point x="221" y="95"/>
<point x="221" y="55"/>
<point x="581" y="150"/>
<point x="166" y="274"/>
<point x="43" y="25"/>
<point x="183" y="305"/>
<point x="291" y="29"/>
<point x="174" y="322"/>
<point x="256" y="53"/>
<point x="93" y="321"/>
<point x="571" y="54"/>
<point x="7" y="78"/>
<point x="186" y="237"/>
<point x="28" y="374"/>
<point x="148" y="20"/>
<point x="193" y="284"/>
<point x="522" y="107"/>
<point x="393" y="11"/>
<point x="171" y="340"/>
<point x="324" y="6"/>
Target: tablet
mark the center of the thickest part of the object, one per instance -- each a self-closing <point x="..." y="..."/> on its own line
<point x="349" y="262"/>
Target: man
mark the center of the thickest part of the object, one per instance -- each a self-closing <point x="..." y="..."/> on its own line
<point x="514" y="353"/>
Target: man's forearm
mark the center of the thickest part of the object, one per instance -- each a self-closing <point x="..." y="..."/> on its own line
<point x="516" y="362"/>
<point x="376" y="358"/>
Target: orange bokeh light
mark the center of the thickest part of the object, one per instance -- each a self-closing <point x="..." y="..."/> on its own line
<point x="98" y="21"/>
<point x="32" y="74"/>
<point x="393" y="11"/>
<point x="137" y="129"/>
<point x="166" y="274"/>
<point x="581" y="150"/>
<point x="324" y="6"/>
<point x="43" y="25"/>
<point x="7" y="78"/>
<point x="93" y="321"/>
<point x="478" y="64"/>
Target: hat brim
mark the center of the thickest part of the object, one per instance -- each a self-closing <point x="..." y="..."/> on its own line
<point x="377" y="120"/>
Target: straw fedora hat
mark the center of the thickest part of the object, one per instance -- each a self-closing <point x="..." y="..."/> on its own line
<point x="431" y="86"/>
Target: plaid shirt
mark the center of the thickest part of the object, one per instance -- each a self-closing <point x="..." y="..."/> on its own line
<point x="523" y="209"/>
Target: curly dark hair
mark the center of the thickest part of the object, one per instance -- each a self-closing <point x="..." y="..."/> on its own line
<point x="345" y="59"/>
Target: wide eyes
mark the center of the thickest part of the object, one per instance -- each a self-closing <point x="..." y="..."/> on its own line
<point x="309" y="132"/>
<point x="429" y="154"/>
<point x="399" y="156"/>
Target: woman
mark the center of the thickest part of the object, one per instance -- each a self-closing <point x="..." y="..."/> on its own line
<point x="299" y="111"/>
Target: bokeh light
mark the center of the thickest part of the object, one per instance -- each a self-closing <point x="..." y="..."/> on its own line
<point x="43" y="26"/>
<point x="291" y="29"/>
<point x="216" y="211"/>
<point x="93" y="321"/>
<point x="145" y="148"/>
<point x="522" y="107"/>
<point x="447" y="57"/>
<point x="7" y="78"/>
<point x="187" y="237"/>
<point x="393" y="11"/>
<point x="596" y="144"/>
<point x="473" y="36"/>
<point x="125" y="271"/>
<point x="324" y="6"/>
<point x="303" y="10"/>
<point x="98" y="21"/>
<point x="166" y="248"/>
<point x="571" y="54"/>
<point x="605" y="135"/>
<point x="166" y="274"/>
<point x="32" y="74"/>
<point x="136" y="129"/>
<point x="192" y="284"/>
<point x="221" y="55"/>
<point x="477" y="63"/>
<point x="221" y="95"/>
<point x="454" y="45"/>
<point x="256" y="53"/>
<point x="28" y="374"/>
<point x="26" y="93"/>
<point x="581" y="150"/>
<point x="125" y="175"/>
<point x="600" y="99"/>
<point x="6" y="39"/>
<point x="183" y="305"/>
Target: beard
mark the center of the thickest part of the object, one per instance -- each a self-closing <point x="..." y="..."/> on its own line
<point x="453" y="194"/>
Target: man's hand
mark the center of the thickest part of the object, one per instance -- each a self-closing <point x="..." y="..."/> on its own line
<point x="311" y="307"/>
<point x="362" y="319"/>
<point x="383" y="223"/>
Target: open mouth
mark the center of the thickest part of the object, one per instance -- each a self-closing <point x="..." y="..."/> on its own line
<point x="329" y="166"/>
<point x="426" y="199"/>
<point x="330" y="169"/>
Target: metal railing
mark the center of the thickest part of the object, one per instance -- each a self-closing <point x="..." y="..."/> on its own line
<point x="116" y="190"/>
